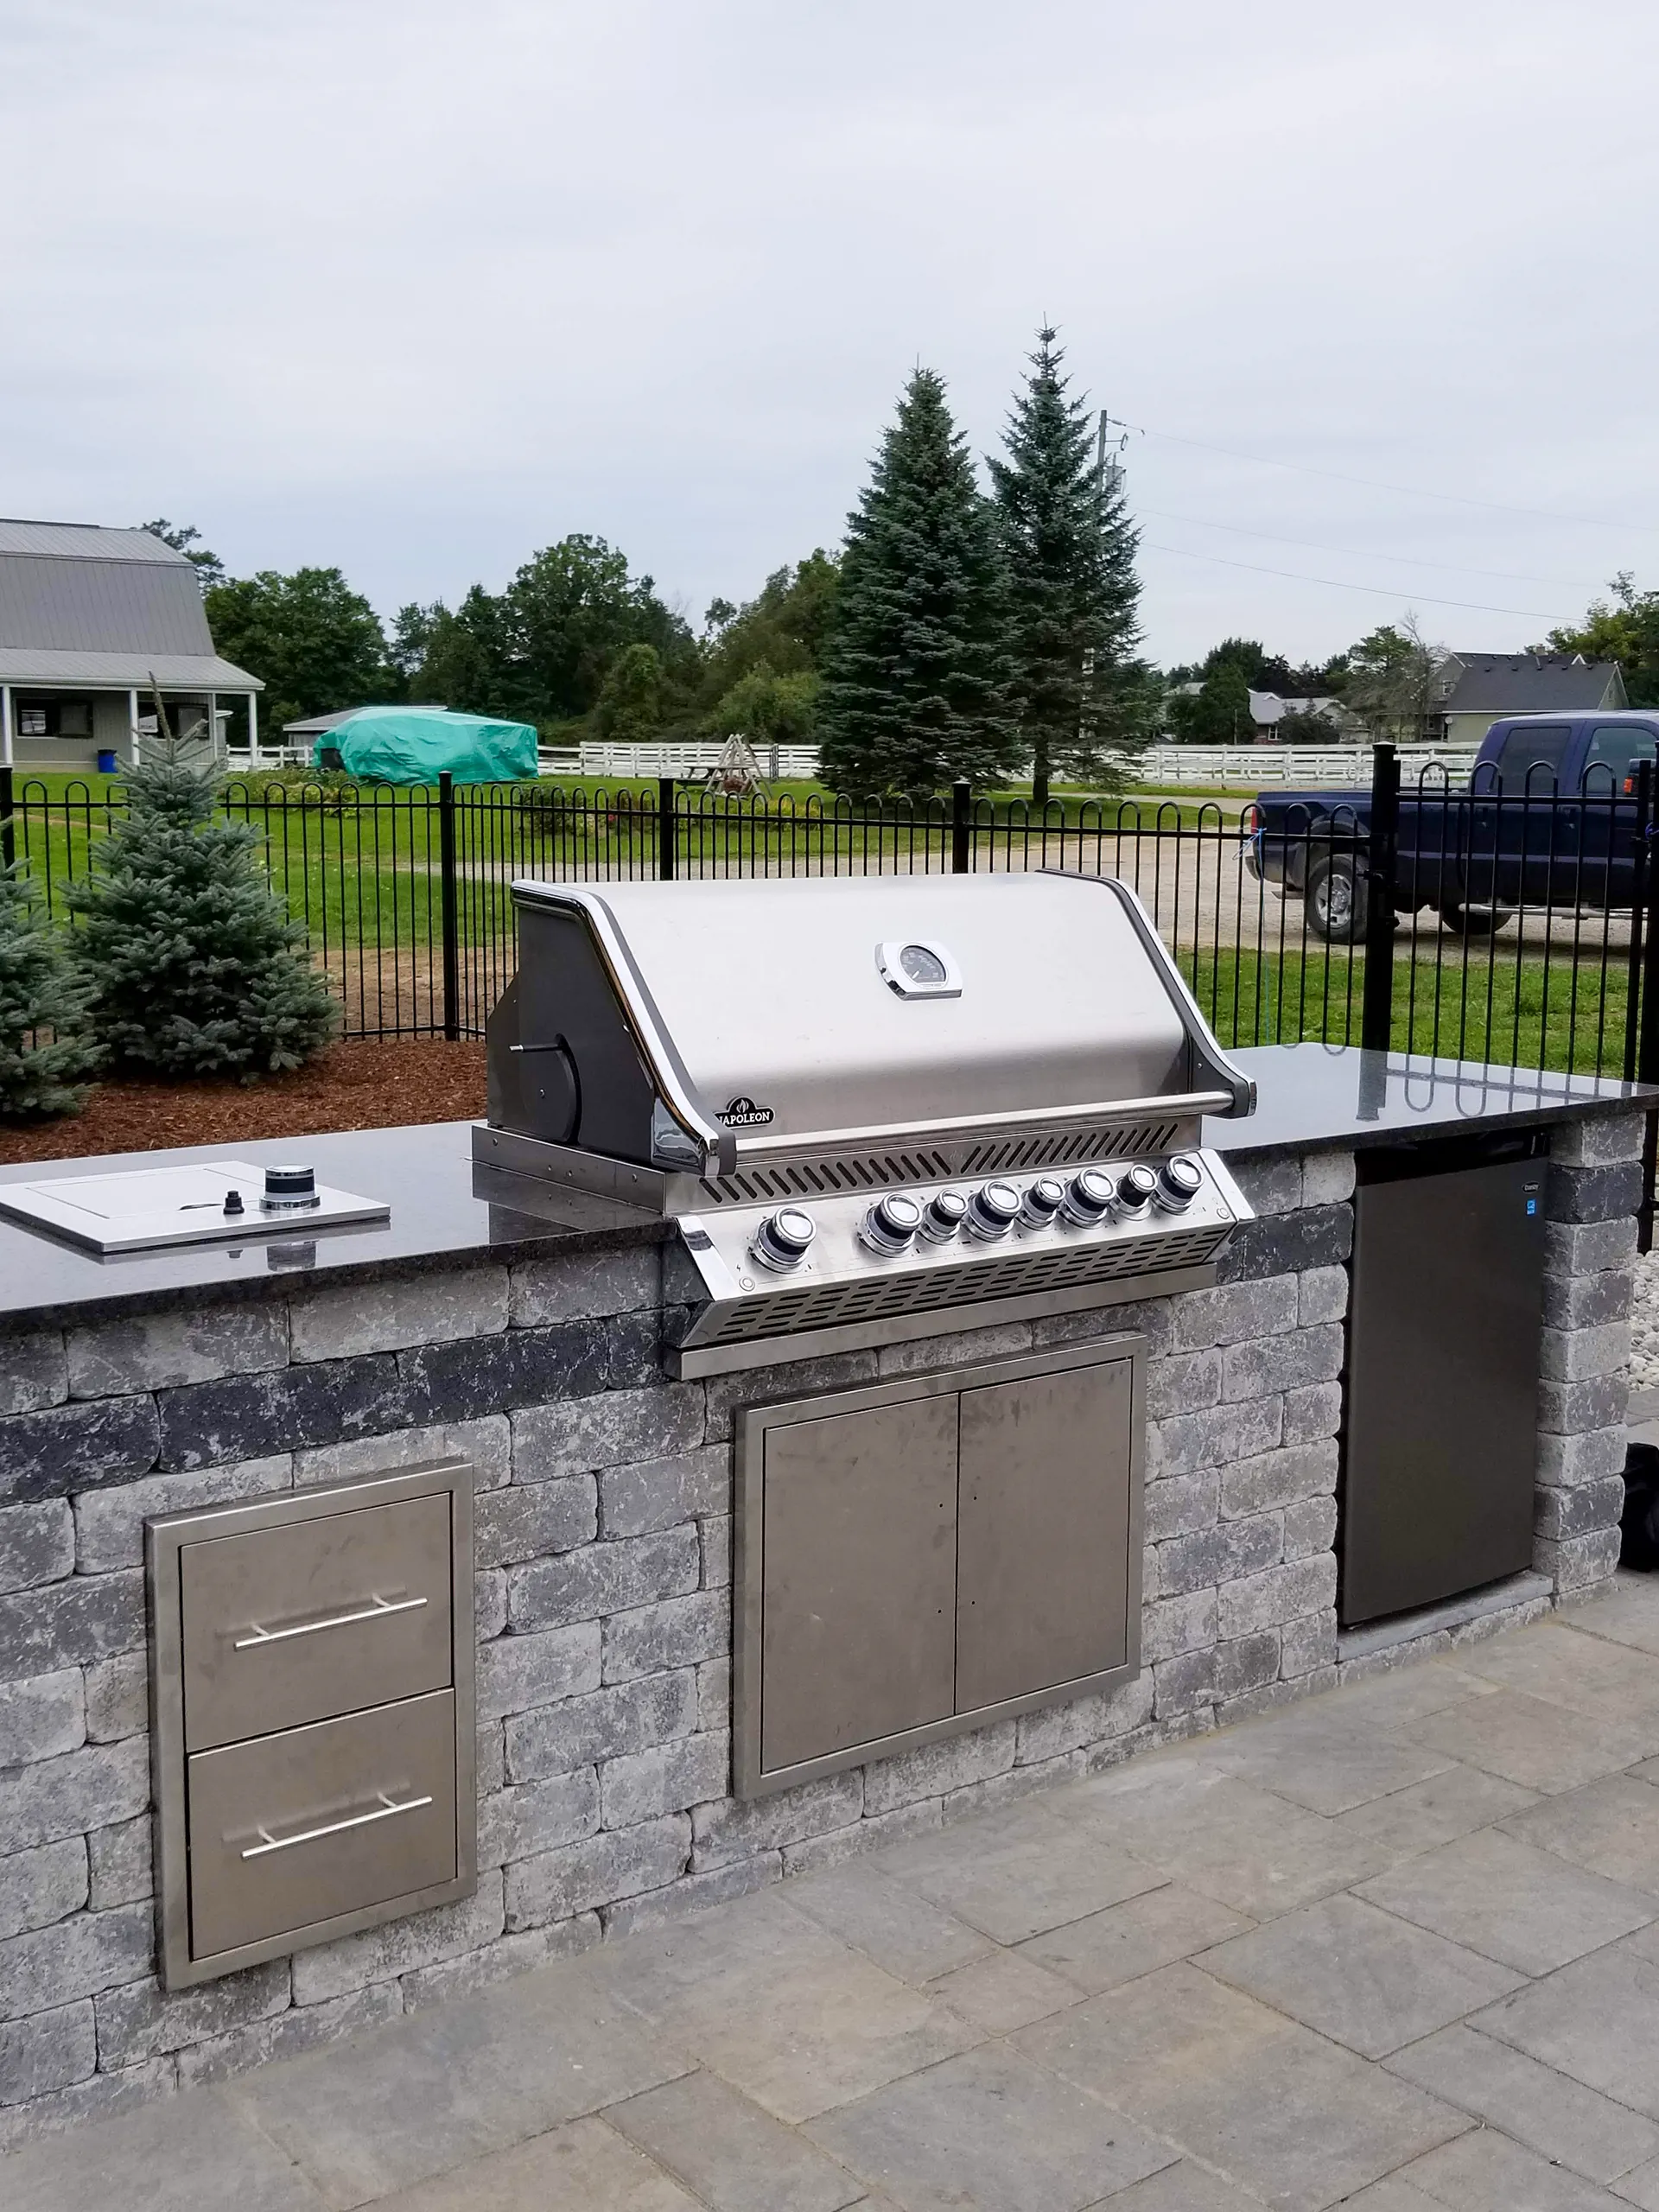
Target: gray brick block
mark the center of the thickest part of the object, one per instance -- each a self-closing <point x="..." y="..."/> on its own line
<point x="586" y="1287"/>
<point x="1569" y="1408"/>
<point x="1560" y="1514"/>
<point x="956" y="1349"/>
<point x="604" y="1578"/>
<point x="1178" y="1504"/>
<point x="1587" y="1248"/>
<point x="1310" y="1527"/>
<point x="41" y="1885"/>
<point x="1233" y="1312"/>
<point x="37" y="1544"/>
<point x="1579" y="1355"/>
<point x="693" y="1893"/>
<point x="1215" y="1438"/>
<point x="1307" y="1646"/>
<point x="614" y="1865"/>
<point x="715" y="1693"/>
<point x="536" y="1816"/>
<point x="509" y="1955"/>
<point x="1185" y="1382"/>
<point x="1216" y="1557"/>
<point x="1564" y="1461"/>
<point x="153" y="1351"/>
<point x="814" y="1853"/>
<point x="487" y="1442"/>
<point x="491" y="1757"/>
<point x="398" y="1314"/>
<point x="74" y="1958"/>
<point x="715" y="1542"/>
<point x="85" y="1789"/>
<point x="401" y="1945"/>
<point x="120" y="1864"/>
<point x="1587" y="1301"/>
<point x="1578" y="1562"/>
<point x="527" y="1520"/>
<point x="1184" y="1684"/>
<point x="604" y="1724"/>
<point x="1313" y="1413"/>
<point x="143" y="2020"/>
<point x="1322" y="1295"/>
<point x="489" y="1603"/>
<point x="516" y="1673"/>
<point x="286" y="2035"/>
<point x="680" y="1632"/>
<point x="103" y="2096"/>
<point x="1247" y="1662"/>
<point x="110" y="1523"/>
<point x="42" y="1717"/>
<point x="790" y="1378"/>
<point x="49" y="2051"/>
<point x="1597" y="1141"/>
<point x="998" y="1791"/>
<point x="669" y="1779"/>
<point x="1171" y="1625"/>
<point x="1276" y="1479"/>
<point x="1327" y="1178"/>
<point x="580" y="1434"/>
<point x="1288" y="1244"/>
<point x="662" y="1493"/>
<point x="1279" y="1594"/>
<point x="1272" y="1185"/>
<point x="1291" y="1362"/>
<point x="1082" y="1721"/>
<point x="1594" y="1193"/>
<point x="933" y="1769"/>
<point x="33" y="1371"/>
<point x="70" y="1624"/>
<point x="1149" y="1317"/>
<point x="75" y="1447"/>
<point x="117" y="1698"/>
<point x="738" y="1828"/>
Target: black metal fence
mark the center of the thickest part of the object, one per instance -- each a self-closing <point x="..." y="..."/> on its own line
<point x="1515" y="925"/>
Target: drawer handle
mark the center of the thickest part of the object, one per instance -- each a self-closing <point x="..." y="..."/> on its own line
<point x="378" y="1609"/>
<point x="385" y="1810"/>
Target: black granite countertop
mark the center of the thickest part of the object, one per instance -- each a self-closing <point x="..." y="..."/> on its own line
<point x="444" y="1209"/>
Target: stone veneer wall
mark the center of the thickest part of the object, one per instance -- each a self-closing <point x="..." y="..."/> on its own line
<point x="603" y="1573"/>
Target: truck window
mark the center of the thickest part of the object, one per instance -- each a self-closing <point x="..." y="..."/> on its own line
<point x="1617" y="749"/>
<point x="1531" y="759"/>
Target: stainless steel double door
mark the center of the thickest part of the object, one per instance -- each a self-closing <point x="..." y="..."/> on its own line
<point x="921" y="1556"/>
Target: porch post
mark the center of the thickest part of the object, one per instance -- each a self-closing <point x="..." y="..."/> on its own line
<point x="212" y="727"/>
<point x="253" y="729"/>
<point x="5" y="725"/>
<point x="132" y="728"/>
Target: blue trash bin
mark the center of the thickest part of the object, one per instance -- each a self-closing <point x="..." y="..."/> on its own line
<point x="106" y="761"/>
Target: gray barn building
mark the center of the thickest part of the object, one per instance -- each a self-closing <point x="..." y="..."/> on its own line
<point x="88" y="618"/>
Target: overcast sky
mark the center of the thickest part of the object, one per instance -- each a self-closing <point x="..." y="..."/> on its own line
<point x="416" y="286"/>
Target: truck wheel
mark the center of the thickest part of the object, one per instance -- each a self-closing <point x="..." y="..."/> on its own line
<point x="1475" y="921"/>
<point x="1339" y="899"/>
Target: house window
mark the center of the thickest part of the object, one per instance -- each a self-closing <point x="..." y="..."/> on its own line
<point x="54" y="717"/>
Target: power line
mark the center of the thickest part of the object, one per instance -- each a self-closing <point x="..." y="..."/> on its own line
<point x="1408" y="561"/>
<point x="1375" y="484"/>
<point x="1375" y="591"/>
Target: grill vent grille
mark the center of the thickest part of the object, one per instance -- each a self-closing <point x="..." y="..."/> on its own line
<point x="871" y="1171"/>
<point x="825" y="1306"/>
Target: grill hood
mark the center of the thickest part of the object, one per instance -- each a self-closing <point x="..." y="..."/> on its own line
<point x="717" y="1030"/>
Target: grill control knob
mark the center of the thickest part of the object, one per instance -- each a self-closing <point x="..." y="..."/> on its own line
<point x="1180" y="1181"/>
<point x="942" y="1216"/>
<point x="1089" y="1197"/>
<point x="891" y="1225"/>
<point x="784" y="1238"/>
<point x="1135" y="1193"/>
<point x="1042" y="1201"/>
<point x="993" y="1211"/>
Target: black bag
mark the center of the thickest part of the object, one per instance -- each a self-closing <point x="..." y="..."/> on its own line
<point x="1639" y="1522"/>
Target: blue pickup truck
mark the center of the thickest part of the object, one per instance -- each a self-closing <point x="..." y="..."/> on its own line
<point x="1548" y="820"/>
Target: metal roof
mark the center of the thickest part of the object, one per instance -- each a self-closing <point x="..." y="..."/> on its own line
<point x="27" y="667"/>
<point x="85" y="541"/>
<point x="1522" y="684"/>
<point x="100" y="606"/>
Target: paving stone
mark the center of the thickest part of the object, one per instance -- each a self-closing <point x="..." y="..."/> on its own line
<point x="555" y="1884"/>
<point x="37" y="1544"/>
<point x="668" y="1778"/>
<point x="585" y="2164"/>
<point x="604" y="1578"/>
<point x="1483" y="2172"/>
<point x="617" y="1427"/>
<point x="604" y="1724"/>
<point x="1530" y="1741"/>
<point x="1558" y="2117"/>
<point x="51" y="2051"/>
<point x="1318" y="1759"/>
<point x="662" y="1493"/>
<point x="518" y="1673"/>
<point x="1017" y="1878"/>
<point x="893" y="1925"/>
<point x="83" y="1447"/>
<point x="1523" y="1906"/>
<point x="151" y="1351"/>
<point x="287" y="2035"/>
<point x="674" y="1632"/>
<point x="110" y="1523"/>
<point x="70" y="1624"/>
<point x="74" y="1958"/>
<point x="1105" y="1949"/>
<point x="1186" y="2187"/>
<point x="85" y="1789"/>
<point x="1596" y="2020"/>
<point x="143" y="2020"/>
<point x="400" y="1946"/>
<point x="33" y="1372"/>
<point x="1609" y="1828"/>
<point x="734" y="2155"/>
<point x="1003" y="1990"/>
<point x="42" y="1717"/>
<point x="397" y="1315"/>
<point x="585" y="1286"/>
<point x="64" y="2111"/>
<point x="41" y="1885"/>
<point x="528" y="1521"/>
<point x="532" y="1817"/>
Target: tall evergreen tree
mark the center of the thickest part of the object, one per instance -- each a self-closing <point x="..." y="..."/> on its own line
<point x="1069" y="548"/>
<point x="190" y="963"/>
<point x="43" y="1047"/>
<point x="916" y="673"/>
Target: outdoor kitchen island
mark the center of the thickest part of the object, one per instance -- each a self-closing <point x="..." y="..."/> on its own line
<point x="530" y="1336"/>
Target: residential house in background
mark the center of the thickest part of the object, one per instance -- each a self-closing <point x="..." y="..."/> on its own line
<point x="88" y="618"/>
<point x="1471" y="690"/>
<point x="1269" y="709"/>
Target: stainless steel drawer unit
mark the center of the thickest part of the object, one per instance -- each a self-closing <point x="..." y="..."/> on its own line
<point x="312" y="1706"/>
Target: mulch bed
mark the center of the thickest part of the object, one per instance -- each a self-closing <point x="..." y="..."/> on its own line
<point x="354" y="1086"/>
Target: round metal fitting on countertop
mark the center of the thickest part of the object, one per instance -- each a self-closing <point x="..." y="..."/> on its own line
<point x="1089" y="1197"/>
<point x="991" y="1212"/>
<point x="1180" y="1181"/>
<point x="942" y="1216"/>
<point x="1135" y="1193"/>
<point x="1042" y="1201"/>
<point x="291" y="1189"/>
<point x="784" y="1238"/>
<point x="891" y="1225"/>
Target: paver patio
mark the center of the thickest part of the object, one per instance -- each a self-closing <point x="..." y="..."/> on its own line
<point x="1395" y="1948"/>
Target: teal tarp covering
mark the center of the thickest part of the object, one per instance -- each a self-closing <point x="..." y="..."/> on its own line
<point x="411" y="745"/>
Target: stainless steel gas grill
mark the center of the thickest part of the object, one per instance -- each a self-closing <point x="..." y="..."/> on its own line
<point x="869" y="1101"/>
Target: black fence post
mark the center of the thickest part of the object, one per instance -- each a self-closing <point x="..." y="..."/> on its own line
<point x="1376" y="1011"/>
<point x="1640" y="861"/>
<point x="1646" y="1057"/>
<point x="665" y="829"/>
<point x="8" y="806"/>
<point x="961" y="827"/>
<point x="451" y="920"/>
